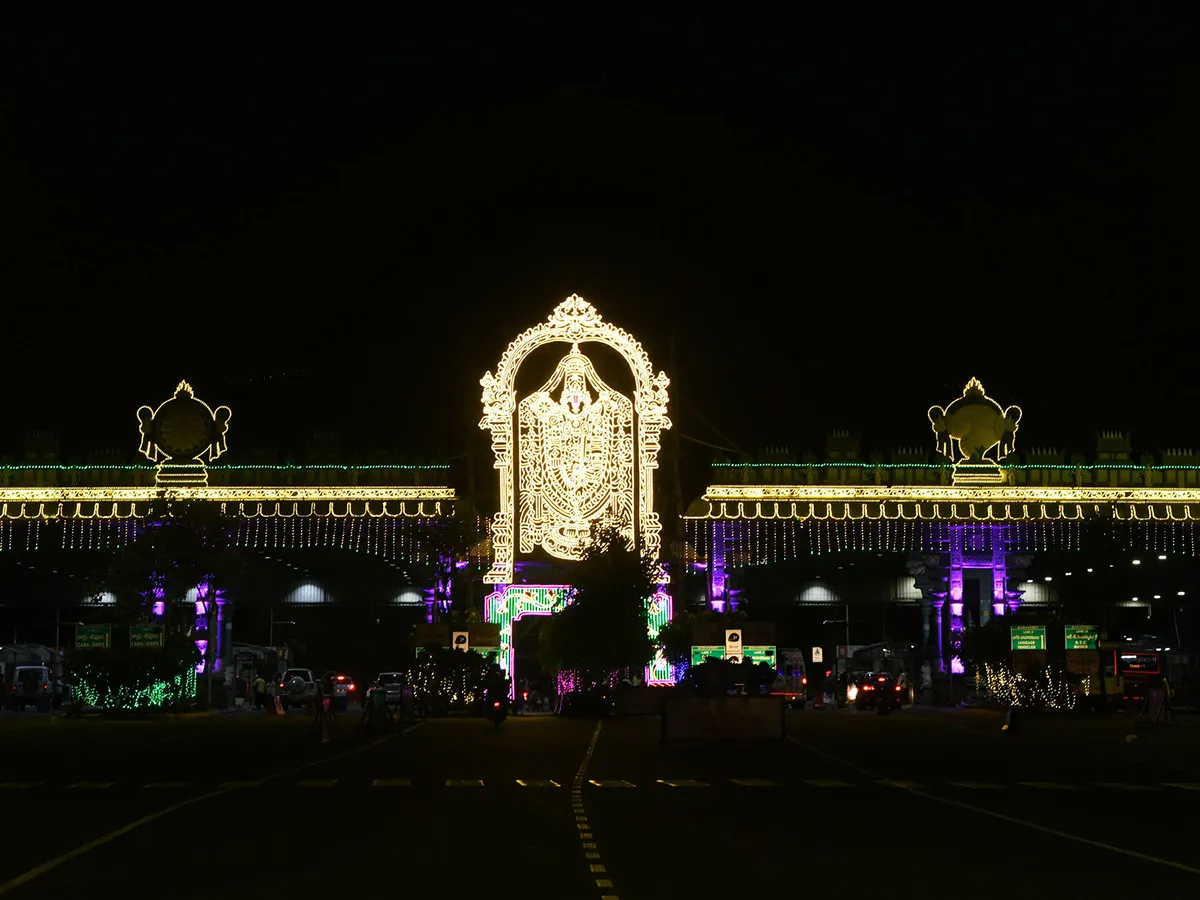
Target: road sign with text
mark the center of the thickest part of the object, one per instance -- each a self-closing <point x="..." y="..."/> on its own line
<point x="1082" y="637"/>
<point x="93" y="637"/>
<point x="145" y="636"/>
<point x="1029" y="637"/>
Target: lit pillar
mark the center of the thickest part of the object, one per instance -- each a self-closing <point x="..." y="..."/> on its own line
<point x="940" y="630"/>
<point x="925" y="611"/>
<point x="223" y="658"/>
<point x="718" y="584"/>
<point x="999" y="571"/>
<point x="956" y="598"/>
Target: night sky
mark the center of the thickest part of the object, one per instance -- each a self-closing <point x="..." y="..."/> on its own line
<point x="822" y="220"/>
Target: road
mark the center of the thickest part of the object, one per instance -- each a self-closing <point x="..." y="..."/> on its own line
<point x="909" y="803"/>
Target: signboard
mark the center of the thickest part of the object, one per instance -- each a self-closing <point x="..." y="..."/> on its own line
<point x="752" y="654"/>
<point x="1082" y="637"/>
<point x="93" y="637"/>
<point x="460" y="640"/>
<point x="818" y="655"/>
<point x="701" y="652"/>
<point x="145" y="636"/>
<point x="733" y="645"/>
<point x="1028" y="637"/>
<point x="758" y="655"/>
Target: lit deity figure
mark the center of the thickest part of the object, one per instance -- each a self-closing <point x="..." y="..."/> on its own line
<point x="576" y="459"/>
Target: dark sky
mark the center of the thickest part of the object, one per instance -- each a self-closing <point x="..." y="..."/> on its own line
<point x="836" y="217"/>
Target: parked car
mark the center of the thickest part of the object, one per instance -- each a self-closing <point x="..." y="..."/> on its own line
<point x="296" y="687"/>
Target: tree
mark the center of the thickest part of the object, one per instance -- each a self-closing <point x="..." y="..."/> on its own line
<point x="604" y="630"/>
<point x="450" y="542"/>
<point x="180" y="546"/>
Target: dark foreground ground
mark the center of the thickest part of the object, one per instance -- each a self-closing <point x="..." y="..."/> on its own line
<point x="909" y="804"/>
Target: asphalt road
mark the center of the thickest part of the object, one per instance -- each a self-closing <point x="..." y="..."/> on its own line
<point x="910" y="804"/>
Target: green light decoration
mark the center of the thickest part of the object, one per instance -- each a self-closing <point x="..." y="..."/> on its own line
<point x="91" y="690"/>
<point x="506" y="606"/>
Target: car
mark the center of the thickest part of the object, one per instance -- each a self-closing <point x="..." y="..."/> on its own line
<point x="877" y="690"/>
<point x="31" y="686"/>
<point x="392" y="684"/>
<point x="296" y="687"/>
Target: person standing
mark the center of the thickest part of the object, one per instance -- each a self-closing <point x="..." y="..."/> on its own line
<point x="260" y="692"/>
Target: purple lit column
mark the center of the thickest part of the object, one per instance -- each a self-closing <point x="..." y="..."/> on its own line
<point x="718" y="584"/>
<point x="956" y="599"/>
<point x="999" y="571"/>
<point x="939" y="629"/>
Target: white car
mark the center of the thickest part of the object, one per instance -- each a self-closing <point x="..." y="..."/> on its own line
<point x="296" y="687"/>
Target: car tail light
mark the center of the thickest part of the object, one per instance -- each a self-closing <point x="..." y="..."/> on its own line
<point x="897" y="687"/>
<point x="341" y="678"/>
<point x="881" y="679"/>
<point x="868" y="687"/>
<point x="496" y="705"/>
<point x="804" y="681"/>
<point x="352" y="687"/>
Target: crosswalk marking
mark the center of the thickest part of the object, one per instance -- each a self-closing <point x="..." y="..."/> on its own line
<point x="1183" y="785"/>
<point x="610" y="783"/>
<point x="682" y="782"/>
<point x="756" y="782"/>
<point x="240" y="784"/>
<point x="317" y="783"/>
<point x="826" y="783"/>
<point x="91" y="785"/>
<point x="20" y="785"/>
<point x="1121" y="786"/>
<point x="166" y="785"/>
<point x="976" y="785"/>
<point x="538" y="782"/>
<point x="464" y="782"/>
<point x="1049" y="785"/>
<point x="391" y="783"/>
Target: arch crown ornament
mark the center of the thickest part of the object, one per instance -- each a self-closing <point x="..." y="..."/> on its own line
<point x="575" y="451"/>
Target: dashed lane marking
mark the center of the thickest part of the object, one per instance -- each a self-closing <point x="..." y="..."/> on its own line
<point x="317" y="783"/>
<point x="19" y="785"/>
<point x="1048" y="785"/>
<point x="756" y="782"/>
<point x="75" y="852"/>
<point x="682" y="782"/>
<point x="1003" y="817"/>
<point x="464" y="782"/>
<point x="1121" y="786"/>
<point x="610" y="783"/>
<point x="826" y="783"/>
<point x="1183" y="785"/>
<point x="537" y="782"/>
<point x="391" y="783"/>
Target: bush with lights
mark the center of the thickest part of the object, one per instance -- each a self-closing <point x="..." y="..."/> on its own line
<point x="719" y="678"/>
<point x="136" y="678"/>
<point x="451" y="679"/>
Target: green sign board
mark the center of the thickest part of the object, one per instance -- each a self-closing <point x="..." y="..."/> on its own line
<point x="145" y="636"/>
<point x="1029" y="637"/>
<point x="701" y="652"/>
<point x="1082" y="637"/>
<point x="757" y="655"/>
<point x="93" y="637"/>
<point x="753" y="654"/>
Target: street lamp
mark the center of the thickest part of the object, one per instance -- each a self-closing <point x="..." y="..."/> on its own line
<point x="271" y="628"/>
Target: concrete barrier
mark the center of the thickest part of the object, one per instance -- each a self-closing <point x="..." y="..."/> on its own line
<point x="722" y="721"/>
<point x="642" y="701"/>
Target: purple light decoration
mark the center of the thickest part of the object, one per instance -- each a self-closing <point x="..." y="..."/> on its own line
<point x="160" y="608"/>
<point x="957" y="667"/>
<point x="718" y="606"/>
<point x="202" y="646"/>
<point x="956" y="609"/>
<point x="998" y="607"/>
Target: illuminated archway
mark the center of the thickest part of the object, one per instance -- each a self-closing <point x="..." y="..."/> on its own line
<point x="584" y="436"/>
